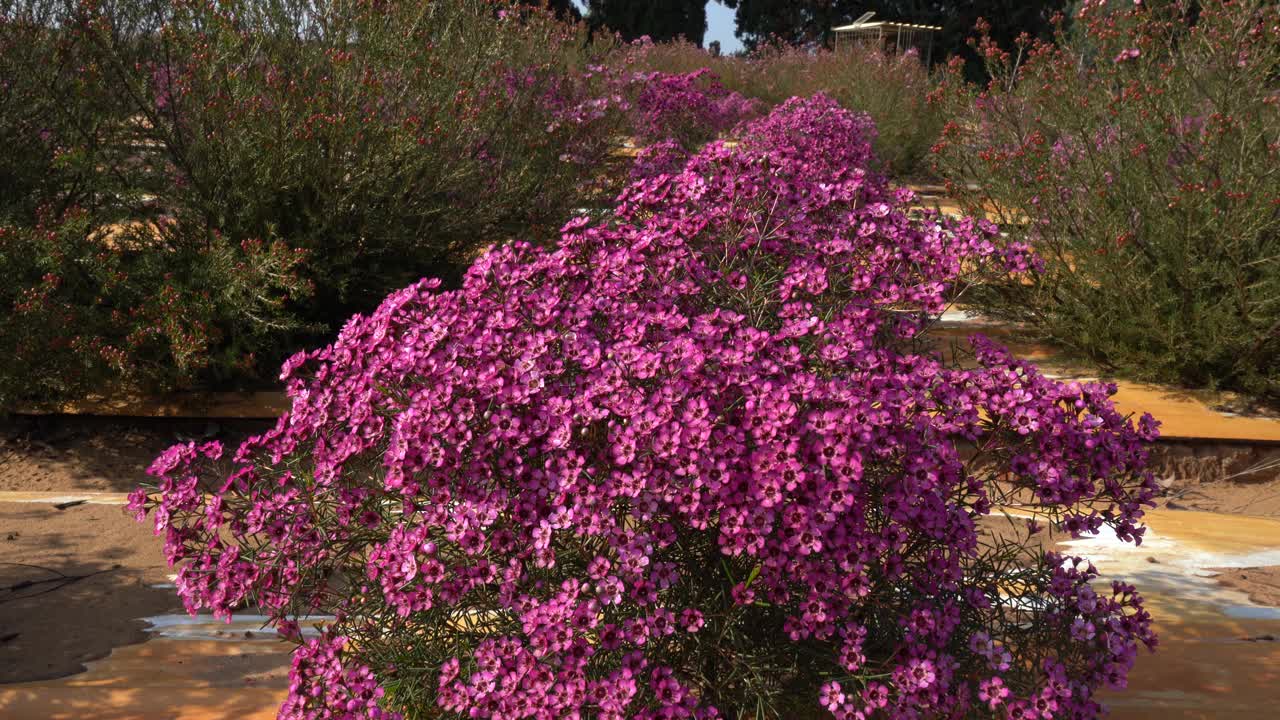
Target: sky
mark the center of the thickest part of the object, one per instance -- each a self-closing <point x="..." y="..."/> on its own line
<point x="719" y="26"/>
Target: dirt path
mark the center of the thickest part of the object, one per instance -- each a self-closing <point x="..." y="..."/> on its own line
<point x="75" y="582"/>
<point x="60" y="453"/>
<point x="1261" y="584"/>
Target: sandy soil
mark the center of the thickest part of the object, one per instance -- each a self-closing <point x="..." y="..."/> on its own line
<point x="48" y="453"/>
<point x="1230" y="478"/>
<point x="1253" y="489"/>
<point x="74" y="581"/>
<point x="1261" y="584"/>
<point x="1231" y="498"/>
<point x="72" y="584"/>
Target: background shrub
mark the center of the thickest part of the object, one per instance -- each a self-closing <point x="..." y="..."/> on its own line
<point x="388" y="138"/>
<point x="893" y="90"/>
<point x="59" y="120"/>
<point x="101" y="285"/>
<point x="1143" y="152"/>
<point x="693" y="461"/>
<point x="372" y="143"/>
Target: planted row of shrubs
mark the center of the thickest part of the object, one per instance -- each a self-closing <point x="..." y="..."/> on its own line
<point x="194" y="190"/>
<point x="694" y="460"/>
<point x="1137" y="151"/>
<point x="197" y="189"/>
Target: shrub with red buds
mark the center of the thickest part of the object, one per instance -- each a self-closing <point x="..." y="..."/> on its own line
<point x="1138" y="154"/>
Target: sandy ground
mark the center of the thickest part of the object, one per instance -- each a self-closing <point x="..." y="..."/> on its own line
<point x="1260" y="499"/>
<point x="1231" y="478"/>
<point x="1261" y="584"/>
<point x="49" y="453"/>
<point x="72" y="584"/>
<point x="75" y="581"/>
<point x="1243" y="494"/>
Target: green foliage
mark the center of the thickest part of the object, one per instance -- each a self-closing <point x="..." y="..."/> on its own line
<point x="792" y="22"/>
<point x="391" y="157"/>
<point x="369" y="144"/>
<point x="93" y="307"/>
<point x="57" y="121"/>
<point x="1141" y="157"/>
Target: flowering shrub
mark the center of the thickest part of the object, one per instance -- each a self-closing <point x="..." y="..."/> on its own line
<point x="689" y="108"/>
<point x="692" y="462"/>
<point x="671" y="115"/>
<point x="668" y="115"/>
<point x="893" y="90"/>
<point x="1139" y="154"/>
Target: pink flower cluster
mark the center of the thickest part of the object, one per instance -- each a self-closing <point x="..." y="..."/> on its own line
<point x="695" y="459"/>
<point x="670" y="115"/>
<point x="318" y="677"/>
<point x="689" y="105"/>
<point x="663" y="157"/>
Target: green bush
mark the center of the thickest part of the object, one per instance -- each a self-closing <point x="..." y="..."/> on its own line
<point x="58" y="122"/>
<point x="369" y="143"/>
<point x="91" y="308"/>
<point x="893" y="90"/>
<point x="389" y="139"/>
<point x="1140" y="155"/>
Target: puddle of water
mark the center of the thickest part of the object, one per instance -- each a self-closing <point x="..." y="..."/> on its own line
<point x="964" y="317"/>
<point x="165" y="678"/>
<point x="1204" y="668"/>
<point x="1175" y="559"/>
<point x="241" y="627"/>
<point x="192" y="668"/>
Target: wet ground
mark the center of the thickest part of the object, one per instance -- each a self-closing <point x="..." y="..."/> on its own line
<point x="95" y="628"/>
<point x="1219" y="653"/>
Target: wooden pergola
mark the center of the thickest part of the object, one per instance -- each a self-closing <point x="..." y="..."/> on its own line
<point x="893" y="38"/>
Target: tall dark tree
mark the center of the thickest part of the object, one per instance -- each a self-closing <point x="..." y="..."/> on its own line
<point x="793" y="22"/>
<point x="564" y="9"/>
<point x="801" y="21"/>
<point x="659" y="19"/>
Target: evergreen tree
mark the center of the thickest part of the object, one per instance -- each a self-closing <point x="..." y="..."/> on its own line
<point x="794" y="22"/>
<point x="659" y="19"/>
